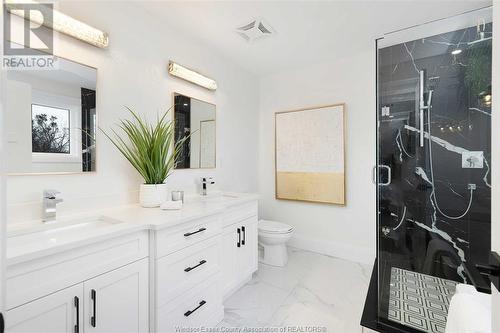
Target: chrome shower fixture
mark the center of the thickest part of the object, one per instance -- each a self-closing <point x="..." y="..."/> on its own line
<point x="481" y="33"/>
<point x="423" y="103"/>
<point x="481" y="26"/>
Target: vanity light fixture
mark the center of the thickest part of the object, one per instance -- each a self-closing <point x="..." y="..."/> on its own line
<point x="62" y="23"/>
<point x="189" y="75"/>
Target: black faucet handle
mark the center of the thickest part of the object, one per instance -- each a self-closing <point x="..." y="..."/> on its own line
<point x="208" y="180"/>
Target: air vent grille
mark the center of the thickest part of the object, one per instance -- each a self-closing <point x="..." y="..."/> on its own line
<point x="263" y="29"/>
<point x="248" y="26"/>
<point x="256" y="29"/>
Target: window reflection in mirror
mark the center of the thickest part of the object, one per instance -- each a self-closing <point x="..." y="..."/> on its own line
<point x="196" y="119"/>
<point x="51" y="119"/>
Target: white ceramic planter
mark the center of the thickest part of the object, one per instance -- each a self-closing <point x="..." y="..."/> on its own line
<point x="152" y="195"/>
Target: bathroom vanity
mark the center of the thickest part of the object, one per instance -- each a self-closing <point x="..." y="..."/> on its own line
<point x="131" y="269"/>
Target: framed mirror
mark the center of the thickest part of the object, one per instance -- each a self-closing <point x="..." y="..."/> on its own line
<point x="51" y="119"/>
<point x="196" y="118"/>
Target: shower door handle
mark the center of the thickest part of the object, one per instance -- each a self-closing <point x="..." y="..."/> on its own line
<point x="389" y="176"/>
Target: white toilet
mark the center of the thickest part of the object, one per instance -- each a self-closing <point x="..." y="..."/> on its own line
<point x="272" y="242"/>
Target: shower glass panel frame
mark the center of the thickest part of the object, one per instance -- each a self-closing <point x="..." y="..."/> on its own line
<point x="433" y="167"/>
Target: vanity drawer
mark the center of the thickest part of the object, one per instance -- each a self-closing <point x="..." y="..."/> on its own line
<point x="202" y="306"/>
<point x="239" y="213"/>
<point x="37" y="278"/>
<point x="186" y="269"/>
<point x="186" y="234"/>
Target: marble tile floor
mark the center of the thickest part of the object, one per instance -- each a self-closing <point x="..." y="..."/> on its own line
<point x="313" y="290"/>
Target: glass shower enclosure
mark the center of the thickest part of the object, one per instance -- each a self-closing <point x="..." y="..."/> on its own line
<point x="433" y="167"/>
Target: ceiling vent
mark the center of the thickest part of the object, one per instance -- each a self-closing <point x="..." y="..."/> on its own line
<point x="254" y="30"/>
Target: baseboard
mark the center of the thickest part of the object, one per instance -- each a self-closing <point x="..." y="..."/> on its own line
<point x="363" y="255"/>
<point x="232" y="290"/>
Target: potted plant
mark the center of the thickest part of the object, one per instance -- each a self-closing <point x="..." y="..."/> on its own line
<point x="151" y="150"/>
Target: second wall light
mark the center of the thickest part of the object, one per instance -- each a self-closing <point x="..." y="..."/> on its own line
<point x="189" y="75"/>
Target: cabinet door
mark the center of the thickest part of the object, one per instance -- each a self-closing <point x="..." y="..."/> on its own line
<point x="117" y="302"/>
<point x="248" y="254"/>
<point x="60" y="312"/>
<point x="229" y="259"/>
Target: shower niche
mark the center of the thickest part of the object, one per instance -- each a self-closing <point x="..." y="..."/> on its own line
<point x="433" y="169"/>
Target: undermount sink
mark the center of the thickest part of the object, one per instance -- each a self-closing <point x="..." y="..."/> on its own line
<point x="55" y="233"/>
<point x="220" y="197"/>
<point x="215" y="197"/>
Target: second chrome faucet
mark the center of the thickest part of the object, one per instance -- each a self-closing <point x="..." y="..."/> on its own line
<point x="204" y="182"/>
<point x="50" y="201"/>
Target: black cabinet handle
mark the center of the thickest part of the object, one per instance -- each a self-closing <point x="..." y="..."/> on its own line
<point x="244" y="235"/>
<point x="188" y="269"/>
<point x="194" y="232"/>
<point x="239" y="238"/>
<point x="190" y="312"/>
<point x="93" y="297"/>
<point x="77" y="306"/>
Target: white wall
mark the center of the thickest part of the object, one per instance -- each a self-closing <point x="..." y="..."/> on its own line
<point x="133" y="72"/>
<point x="349" y="231"/>
<point x="18" y="146"/>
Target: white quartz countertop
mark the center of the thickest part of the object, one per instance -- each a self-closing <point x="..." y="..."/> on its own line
<point x="35" y="239"/>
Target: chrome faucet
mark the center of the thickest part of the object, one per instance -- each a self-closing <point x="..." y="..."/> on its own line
<point x="50" y="202"/>
<point x="204" y="182"/>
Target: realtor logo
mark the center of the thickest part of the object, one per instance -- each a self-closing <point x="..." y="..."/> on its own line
<point x="28" y="43"/>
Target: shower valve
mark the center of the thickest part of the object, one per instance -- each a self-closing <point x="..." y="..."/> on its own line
<point x="472" y="160"/>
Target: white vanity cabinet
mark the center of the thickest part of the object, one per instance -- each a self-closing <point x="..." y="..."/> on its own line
<point x="187" y="275"/>
<point x="248" y="254"/>
<point x="154" y="278"/>
<point x="102" y="287"/>
<point x="118" y="300"/>
<point x="60" y="312"/>
<point x="239" y="251"/>
<point x="203" y="262"/>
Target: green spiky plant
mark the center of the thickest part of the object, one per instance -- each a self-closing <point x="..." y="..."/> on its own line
<point x="150" y="147"/>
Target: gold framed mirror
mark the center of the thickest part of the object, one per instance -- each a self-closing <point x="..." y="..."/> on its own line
<point x="51" y="119"/>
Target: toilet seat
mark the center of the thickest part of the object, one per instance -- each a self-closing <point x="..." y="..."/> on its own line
<point x="273" y="227"/>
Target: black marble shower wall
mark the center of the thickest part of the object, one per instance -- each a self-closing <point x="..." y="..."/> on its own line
<point x="425" y="222"/>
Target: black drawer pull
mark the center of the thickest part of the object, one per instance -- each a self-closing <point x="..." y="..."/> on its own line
<point x="93" y="297"/>
<point x="239" y="238"/>
<point x="244" y="235"/>
<point x="190" y="312"/>
<point x="77" y="306"/>
<point x="194" y="232"/>
<point x="193" y="267"/>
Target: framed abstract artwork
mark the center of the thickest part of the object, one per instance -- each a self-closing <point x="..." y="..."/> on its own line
<point x="310" y="154"/>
